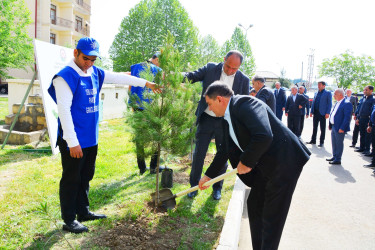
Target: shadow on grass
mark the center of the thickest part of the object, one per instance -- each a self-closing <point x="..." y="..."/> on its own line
<point x="21" y="154"/>
<point x="46" y="241"/>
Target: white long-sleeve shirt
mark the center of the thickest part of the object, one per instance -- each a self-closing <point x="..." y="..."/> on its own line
<point x="64" y="97"/>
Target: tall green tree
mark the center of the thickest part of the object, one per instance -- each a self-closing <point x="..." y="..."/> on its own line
<point x="209" y="51"/>
<point x="239" y="42"/>
<point x="143" y="30"/>
<point x="16" y="49"/>
<point x="167" y="124"/>
<point x="349" y="70"/>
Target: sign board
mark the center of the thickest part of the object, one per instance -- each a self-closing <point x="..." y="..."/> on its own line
<point x="50" y="59"/>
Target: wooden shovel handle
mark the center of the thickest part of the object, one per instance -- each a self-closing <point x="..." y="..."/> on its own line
<point x="208" y="183"/>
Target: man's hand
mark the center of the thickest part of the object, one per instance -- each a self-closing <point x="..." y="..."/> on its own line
<point x="356" y="122"/>
<point x="369" y="129"/>
<point x="76" y="152"/>
<point x="286" y="114"/>
<point x="299" y="106"/>
<point x="153" y="87"/>
<point x="283" y="109"/>
<point x="202" y="181"/>
<point x="242" y="169"/>
<point x="326" y="116"/>
<point x="307" y="116"/>
<point x="341" y="131"/>
<point x="311" y="115"/>
<point x="354" y="118"/>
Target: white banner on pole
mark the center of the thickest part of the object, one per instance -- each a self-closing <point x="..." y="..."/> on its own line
<point x="50" y="59"/>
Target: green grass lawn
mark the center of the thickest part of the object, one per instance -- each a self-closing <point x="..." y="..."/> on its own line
<point x="28" y="179"/>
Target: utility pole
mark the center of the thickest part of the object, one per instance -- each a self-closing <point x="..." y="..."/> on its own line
<point x="310" y="68"/>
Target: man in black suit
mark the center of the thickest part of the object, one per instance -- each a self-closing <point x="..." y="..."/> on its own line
<point x="208" y="125"/>
<point x="280" y="98"/>
<point x="264" y="93"/>
<point x="363" y="119"/>
<point x="268" y="156"/>
<point x="305" y="110"/>
<point x="293" y="110"/>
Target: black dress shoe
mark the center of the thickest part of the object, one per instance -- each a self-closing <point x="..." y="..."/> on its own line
<point x="153" y="170"/>
<point x="75" y="227"/>
<point x="359" y="150"/>
<point x="311" y="142"/>
<point x="90" y="216"/>
<point x="335" y="162"/>
<point x="321" y="145"/>
<point x="216" y="194"/>
<point x="366" y="152"/>
<point x="330" y="159"/>
<point x="192" y="194"/>
<point x="369" y="154"/>
<point x="369" y="166"/>
<point x="352" y="146"/>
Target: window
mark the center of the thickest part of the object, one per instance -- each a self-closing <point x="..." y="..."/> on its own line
<point x="52" y="38"/>
<point x="53" y="14"/>
<point x="78" y="23"/>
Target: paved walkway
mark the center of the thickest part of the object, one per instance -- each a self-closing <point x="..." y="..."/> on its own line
<point x="333" y="206"/>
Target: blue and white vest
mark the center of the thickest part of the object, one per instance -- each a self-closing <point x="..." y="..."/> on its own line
<point x="85" y="104"/>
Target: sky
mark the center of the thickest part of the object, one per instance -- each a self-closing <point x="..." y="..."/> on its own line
<point x="284" y="32"/>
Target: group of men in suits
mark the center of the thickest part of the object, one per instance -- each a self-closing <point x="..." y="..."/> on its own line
<point x="268" y="156"/>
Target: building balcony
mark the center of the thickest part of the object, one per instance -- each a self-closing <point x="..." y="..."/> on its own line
<point x="62" y="22"/>
<point x="83" y="30"/>
<point x="84" y="5"/>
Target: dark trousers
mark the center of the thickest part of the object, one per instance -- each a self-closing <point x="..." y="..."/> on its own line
<point x="365" y="139"/>
<point x="141" y="158"/>
<point x="337" y="144"/>
<point x="301" y="124"/>
<point x="355" y="134"/>
<point x="141" y="153"/>
<point x="318" y="118"/>
<point x="208" y="128"/>
<point x="373" y="144"/>
<point x="279" y="113"/>
<point x="268" y="205"/>
<point x="294" y="122"/>
<point x="74" y="183"/>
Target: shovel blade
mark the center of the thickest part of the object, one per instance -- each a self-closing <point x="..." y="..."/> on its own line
<point x="164" y="194"/>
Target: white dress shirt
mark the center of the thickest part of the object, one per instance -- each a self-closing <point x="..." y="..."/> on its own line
<point x="332" y="116"/>
<point x="231" y="131"/>
<point x="64" y="97"/>
<point x="228" y="80"/>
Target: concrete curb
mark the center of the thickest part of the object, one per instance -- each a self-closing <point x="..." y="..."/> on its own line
<point x="230" y="233"/>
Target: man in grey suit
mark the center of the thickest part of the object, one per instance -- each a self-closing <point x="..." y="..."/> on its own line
<point x="268" y="156"/>
<point x="264" y="93"/>
<point x="352" y="100"/>
<point x="208" y="125"/>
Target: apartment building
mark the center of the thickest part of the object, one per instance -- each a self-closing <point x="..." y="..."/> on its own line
<point x="61" y="22"/>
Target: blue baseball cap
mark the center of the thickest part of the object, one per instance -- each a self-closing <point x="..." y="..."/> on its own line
<point x="89" y="46"/>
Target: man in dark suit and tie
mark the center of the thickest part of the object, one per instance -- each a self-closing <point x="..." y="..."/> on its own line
<point x="208" y="125"/>
<point x="268" y="156"/>
<point x="293" y="110"/>
<point x="363" y="120"/>
<point x="339" y="124"/>
<point x="320" y="109"/>
<point x="305" y="110"/>
<point x="280" y="98"/>
<point x="264" y="93"/>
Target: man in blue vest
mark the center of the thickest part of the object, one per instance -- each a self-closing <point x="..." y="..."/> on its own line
<point x="320" y="109"/>
<point x="75" y="89"/>
<point x="135" y="101"/>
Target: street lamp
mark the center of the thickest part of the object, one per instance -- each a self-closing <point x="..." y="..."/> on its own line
<point x="251" y="25"/>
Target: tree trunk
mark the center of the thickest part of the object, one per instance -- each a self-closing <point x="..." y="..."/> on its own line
<point x="157" y="178"/>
